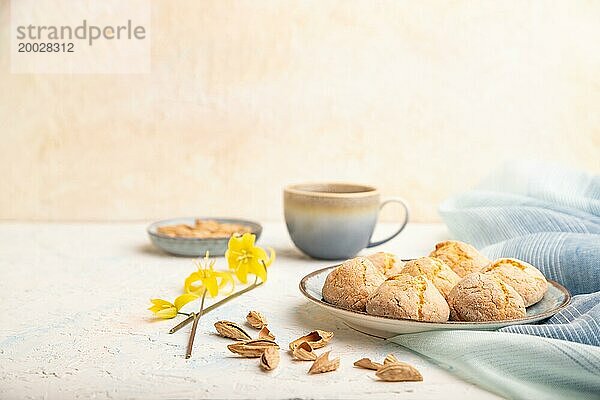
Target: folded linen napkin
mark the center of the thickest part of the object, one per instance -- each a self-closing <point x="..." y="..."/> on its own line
<point x="550" y="217"/>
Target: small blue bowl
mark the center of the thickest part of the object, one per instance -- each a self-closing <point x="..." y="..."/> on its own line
<point x="195" y="247"/>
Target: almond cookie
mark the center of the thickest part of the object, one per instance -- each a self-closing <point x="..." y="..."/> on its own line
<point x="350" y="284"/>
<point x="386" y="263"/>
<point x="481" y="297"/>
<point x="408" y="297"/>
<point x="461" y="257"/>
<point x="441" y="275"/>
<point x="526" y="279"/>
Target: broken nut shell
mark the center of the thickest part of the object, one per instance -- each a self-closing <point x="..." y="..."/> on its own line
<point x="316" y="339"/>
<point x="366" y="363"/>
<point x="269" y="359"/>
<point x="265" y="333"/>
<point x="256" y="319"/>
<point x="324" y="364"/>
<point x="252" y="348"/>
<point x="399" y="372"/>
<point x="231" y="330"/>
<point x="304" y="352"/>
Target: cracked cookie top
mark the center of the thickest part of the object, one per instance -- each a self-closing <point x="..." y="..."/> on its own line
<point x="350" y="284"/>
<point x="440" y="274"/>
<point x="409" y="297"/>
<point x="461" y="257"/>
<point x="386" y="263"/>
<point x="482" y="297"/>
<point x="527" y="280"/>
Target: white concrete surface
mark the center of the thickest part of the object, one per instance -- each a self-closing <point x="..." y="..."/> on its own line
<point x="74" y="323"/>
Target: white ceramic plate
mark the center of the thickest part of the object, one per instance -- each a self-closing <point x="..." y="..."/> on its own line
<point x="555" y="299"/>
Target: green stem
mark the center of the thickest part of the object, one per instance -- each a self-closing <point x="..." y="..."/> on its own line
<point x="197" y="317"/>
<point x="190" y="318"/>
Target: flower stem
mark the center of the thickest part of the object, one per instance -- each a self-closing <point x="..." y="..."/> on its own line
<point x="190" y="318"/>
<point x="197" y="317"/>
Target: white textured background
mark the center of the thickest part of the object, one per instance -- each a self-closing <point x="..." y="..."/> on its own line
<point x="418" y="98"/>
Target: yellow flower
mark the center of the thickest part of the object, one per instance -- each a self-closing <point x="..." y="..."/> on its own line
<point x="165" y="309"/>
<point x="206" y="278"/>
<point x="244" y="257"/>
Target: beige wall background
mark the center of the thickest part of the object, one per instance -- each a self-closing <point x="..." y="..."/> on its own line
<point x="419" y="98"/>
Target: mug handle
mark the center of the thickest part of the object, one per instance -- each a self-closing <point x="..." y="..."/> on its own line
<point x="402" y="225"/>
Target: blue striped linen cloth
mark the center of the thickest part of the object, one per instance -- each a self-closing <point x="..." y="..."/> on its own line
<point x="550" y="217"/>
